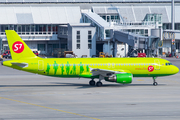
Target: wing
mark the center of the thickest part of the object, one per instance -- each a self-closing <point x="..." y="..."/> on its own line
<point x="106" y="73"/>
<point x="23" y="65"/>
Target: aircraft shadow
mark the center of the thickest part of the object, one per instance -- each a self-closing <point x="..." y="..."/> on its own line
<point x="80" y="86"/>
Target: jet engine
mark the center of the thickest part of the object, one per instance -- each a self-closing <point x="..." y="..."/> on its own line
<point x="124" y="78"/>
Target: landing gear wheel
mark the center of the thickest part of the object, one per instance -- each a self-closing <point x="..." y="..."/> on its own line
<point x="155" y="83"/>
<point x="99" y="84"/>
<point x="92" y="83"/>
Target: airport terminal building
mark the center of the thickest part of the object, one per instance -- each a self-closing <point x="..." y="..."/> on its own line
<point x="87" y="27"/>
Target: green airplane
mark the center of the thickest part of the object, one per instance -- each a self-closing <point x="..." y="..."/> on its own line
<point x="119" y="70"/>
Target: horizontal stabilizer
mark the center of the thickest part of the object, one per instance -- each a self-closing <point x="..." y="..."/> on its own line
<point x="23" y="65"/>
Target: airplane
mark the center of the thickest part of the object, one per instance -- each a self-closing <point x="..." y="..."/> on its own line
<point x="119" y="70"/>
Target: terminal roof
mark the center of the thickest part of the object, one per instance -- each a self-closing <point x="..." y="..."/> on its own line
<point x="39" y="14"/>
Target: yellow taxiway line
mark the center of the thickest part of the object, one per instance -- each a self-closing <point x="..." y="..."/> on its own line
<point x="49" y="108"/>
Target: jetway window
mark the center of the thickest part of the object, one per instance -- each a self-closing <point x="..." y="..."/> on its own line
<point x="107" y="33"/>
<point x="104" y="17"/>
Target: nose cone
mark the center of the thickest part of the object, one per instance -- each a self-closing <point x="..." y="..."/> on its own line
<point x="175" y="70"/>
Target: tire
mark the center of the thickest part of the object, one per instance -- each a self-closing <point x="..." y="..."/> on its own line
<point x="92" y="83"/>
<point x="155" y="83"/>
<point x="99" y="84"/>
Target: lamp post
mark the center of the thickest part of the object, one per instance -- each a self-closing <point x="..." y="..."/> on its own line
<point x="173" y="45"/>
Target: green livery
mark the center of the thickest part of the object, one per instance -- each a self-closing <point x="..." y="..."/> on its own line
<point x="120" y="70"/>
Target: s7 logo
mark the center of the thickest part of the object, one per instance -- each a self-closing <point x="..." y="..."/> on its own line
<point x="18" y="47"/>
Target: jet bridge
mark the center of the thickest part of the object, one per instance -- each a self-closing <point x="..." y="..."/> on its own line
<point x="136" y="42"/>
<point x="106" y="32"/>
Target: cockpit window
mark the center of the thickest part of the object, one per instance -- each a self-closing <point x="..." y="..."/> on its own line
<point x="168" y="64"/>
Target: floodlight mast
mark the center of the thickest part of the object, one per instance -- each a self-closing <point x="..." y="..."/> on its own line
<point x="173" y="43"/>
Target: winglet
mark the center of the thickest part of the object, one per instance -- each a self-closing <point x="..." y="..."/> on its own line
<point x="18" y="48"/>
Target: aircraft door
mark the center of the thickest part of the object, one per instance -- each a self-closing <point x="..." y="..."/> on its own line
<point x="157" y="64"/>
<point x="40" y="65"/>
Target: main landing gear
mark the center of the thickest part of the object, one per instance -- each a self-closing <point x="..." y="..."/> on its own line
<point x="154" y="81"/>
<point x="98" y="84"/>
<point x="92" y="82"/>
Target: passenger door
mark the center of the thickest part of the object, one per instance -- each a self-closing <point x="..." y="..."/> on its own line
<point x="157" y="64"/>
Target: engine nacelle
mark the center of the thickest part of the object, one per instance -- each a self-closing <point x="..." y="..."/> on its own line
<point x="124" y="78"/>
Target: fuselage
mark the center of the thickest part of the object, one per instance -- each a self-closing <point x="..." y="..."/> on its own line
<point x="81" y="67"/>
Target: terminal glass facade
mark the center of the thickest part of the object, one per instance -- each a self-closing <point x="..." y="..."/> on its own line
<point x="30" y="29"/>
<point x="111" y="17"/>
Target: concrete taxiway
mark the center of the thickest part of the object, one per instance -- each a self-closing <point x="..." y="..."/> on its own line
<point x="26" y="96"/>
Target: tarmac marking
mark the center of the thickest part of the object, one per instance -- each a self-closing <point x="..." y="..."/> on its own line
<point x="140" y="80"/>
<point x="172" y="81"/>
<point x="49" y="108"/>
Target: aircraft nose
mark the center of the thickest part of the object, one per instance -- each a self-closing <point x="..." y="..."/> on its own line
<point x="175" y="69"/>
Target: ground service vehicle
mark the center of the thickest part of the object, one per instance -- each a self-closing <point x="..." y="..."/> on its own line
<point x="7" y="54"/>
<point x="36" y="53"/>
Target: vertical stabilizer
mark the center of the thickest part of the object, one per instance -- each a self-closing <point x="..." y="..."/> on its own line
<point x="18" y="48"/>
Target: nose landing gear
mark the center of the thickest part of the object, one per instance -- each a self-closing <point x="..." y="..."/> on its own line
<point x="154" y="81"/>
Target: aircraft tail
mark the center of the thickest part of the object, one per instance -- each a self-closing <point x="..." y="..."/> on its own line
<point x="18" y="48"/>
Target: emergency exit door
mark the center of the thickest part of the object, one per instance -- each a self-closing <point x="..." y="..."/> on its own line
<point x="40" y="65"/>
